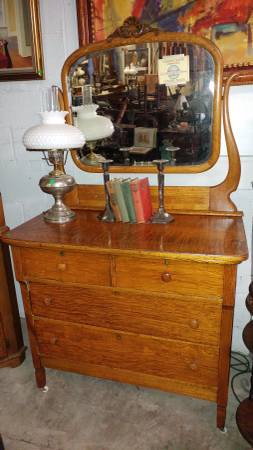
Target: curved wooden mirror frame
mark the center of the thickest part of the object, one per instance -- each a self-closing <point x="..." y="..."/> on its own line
<point x="135" y="33"/>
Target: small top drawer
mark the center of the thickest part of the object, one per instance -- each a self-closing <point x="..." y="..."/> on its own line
<point x="175" y="277"/>
<point x="61" y="265"/>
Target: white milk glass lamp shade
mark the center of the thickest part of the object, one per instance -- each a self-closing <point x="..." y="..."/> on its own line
<point x="53" y="133"/>
<point x="93" y="126"/>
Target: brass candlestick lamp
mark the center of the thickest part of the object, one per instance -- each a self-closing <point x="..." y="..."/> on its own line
<point x="161" y="216"/>
<point x="55" y="137"/>
<point x="107" y="215"/>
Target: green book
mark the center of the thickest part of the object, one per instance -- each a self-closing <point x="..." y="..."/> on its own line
<point x="127" y="193"/>
<point x="120" y="199"/>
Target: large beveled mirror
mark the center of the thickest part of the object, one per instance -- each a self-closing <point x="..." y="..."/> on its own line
<point x="20" y="40"/>
<point x="161" y="92"/>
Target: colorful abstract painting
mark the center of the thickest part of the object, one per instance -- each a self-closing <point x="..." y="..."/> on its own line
<point x="228" y="23"/>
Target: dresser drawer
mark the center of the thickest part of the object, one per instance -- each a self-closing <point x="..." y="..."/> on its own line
<point x="87" y="268"/>
<point x="143" y="354"/>
<point x="197" y="320"/>
<point x="176" y="277"/>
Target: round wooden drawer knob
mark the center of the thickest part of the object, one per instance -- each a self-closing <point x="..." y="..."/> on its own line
<point x="193" y="365"/>
<point x="62" y="267"/>
<point x="53" y="340"/>
<point x="48" y="301"/>
<point x="194" y="323"/>
<point x="166" y="276"/>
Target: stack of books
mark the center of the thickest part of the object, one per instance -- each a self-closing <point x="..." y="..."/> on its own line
<point x="130" y="199"/>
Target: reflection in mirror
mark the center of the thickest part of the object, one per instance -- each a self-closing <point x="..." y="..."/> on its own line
<point x="20" y="40"/>
<point x="159" y="97"/>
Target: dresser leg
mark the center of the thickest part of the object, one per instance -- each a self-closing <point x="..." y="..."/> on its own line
<point x="40" y="375"/>
<point x="221" y="417"/>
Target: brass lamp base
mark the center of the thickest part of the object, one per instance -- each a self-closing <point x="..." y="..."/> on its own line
<point x="55" y="216"/>
<point x="58" y="186"/>
<point x="59" y="213"/>
<point x="92" y="158"/>
<point x="58" y="183"/>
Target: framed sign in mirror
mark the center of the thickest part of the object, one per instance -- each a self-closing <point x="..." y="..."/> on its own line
<point x="227" y="23"/>
<point x="20" y="40"/>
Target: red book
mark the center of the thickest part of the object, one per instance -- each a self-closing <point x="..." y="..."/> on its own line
<point x="142" y="199"/>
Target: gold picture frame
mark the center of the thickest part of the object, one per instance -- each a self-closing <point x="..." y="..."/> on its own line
<point x="21" y="56"/>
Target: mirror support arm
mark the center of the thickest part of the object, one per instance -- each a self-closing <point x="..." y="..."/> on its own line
<point x="222" y="191"/>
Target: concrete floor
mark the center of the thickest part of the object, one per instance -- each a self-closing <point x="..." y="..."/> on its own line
<point x="84" y="413"/>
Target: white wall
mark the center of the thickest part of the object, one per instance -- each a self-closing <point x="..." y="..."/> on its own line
<point x="20" y="171"/>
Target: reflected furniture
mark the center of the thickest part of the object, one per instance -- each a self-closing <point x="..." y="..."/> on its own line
<point x="147" y="304"/>
<point x="12" y="350"/>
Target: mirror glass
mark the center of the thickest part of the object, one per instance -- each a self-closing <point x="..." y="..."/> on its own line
<point x="159" y="97"/>
<point x="20" y="40"/>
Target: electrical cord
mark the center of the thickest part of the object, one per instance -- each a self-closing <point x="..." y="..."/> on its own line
<point x="240" y="363"/>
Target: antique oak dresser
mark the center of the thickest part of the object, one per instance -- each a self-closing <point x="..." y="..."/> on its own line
<point x="148" y="304"/>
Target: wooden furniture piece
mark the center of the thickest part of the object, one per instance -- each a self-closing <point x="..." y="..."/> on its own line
<point x="12" y="350"/>
<point x="144" y="304"/>
<point x="147" y="304"/>
<point x="244" y="413"/>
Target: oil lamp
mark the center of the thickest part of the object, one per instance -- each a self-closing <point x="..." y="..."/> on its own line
<point x="55" y="137"/>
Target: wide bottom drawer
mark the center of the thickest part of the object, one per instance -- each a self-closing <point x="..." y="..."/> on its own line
<point x="204" y="392"/>
<point x="138" y="353"/>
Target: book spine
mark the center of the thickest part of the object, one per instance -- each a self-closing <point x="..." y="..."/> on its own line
<point x="137" y="202"/>
<point x="121" y="201"/>
<point x="146" y="198"/>
<point x="128" y="200"/>
<point x="113" y="200"/>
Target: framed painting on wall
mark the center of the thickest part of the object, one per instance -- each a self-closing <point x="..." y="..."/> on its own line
<point x="20" y="41"/>
<point x="228" y="23"/>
